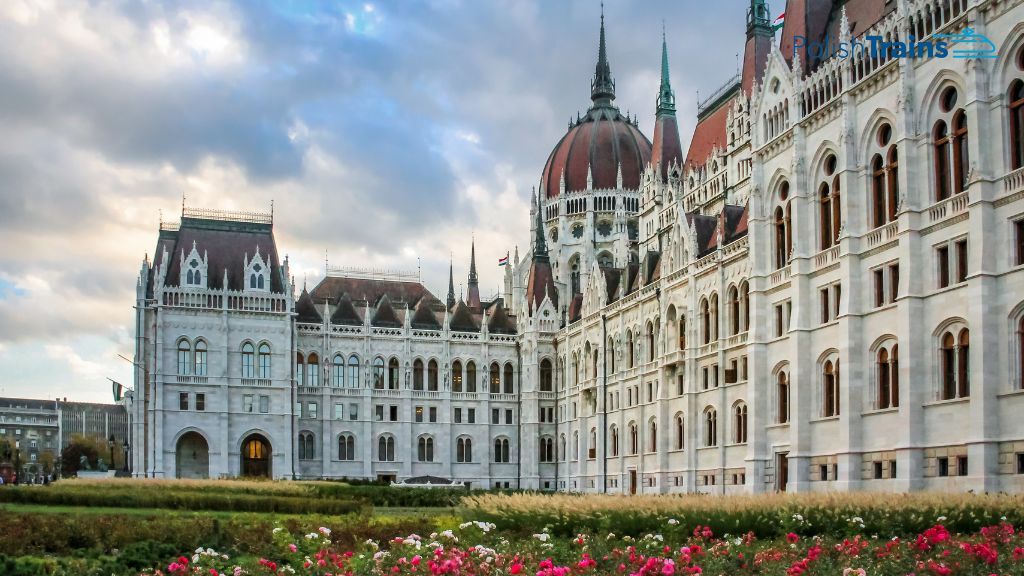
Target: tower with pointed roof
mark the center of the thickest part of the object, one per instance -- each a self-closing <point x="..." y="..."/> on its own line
<point x="667" y="151"/>
<point x="473" y="282"/>
<point x="451" y="286"/>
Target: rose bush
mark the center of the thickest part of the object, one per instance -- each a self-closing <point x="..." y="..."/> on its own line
<point x="480" y="548"/>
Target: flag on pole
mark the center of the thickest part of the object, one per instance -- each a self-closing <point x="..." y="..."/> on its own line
<point x="779" y="22"/>
<point x="503" y="261"/>
<point x="118" y="390"/>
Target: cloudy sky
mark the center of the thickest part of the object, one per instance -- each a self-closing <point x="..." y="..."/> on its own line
<point x="383" y="132"/>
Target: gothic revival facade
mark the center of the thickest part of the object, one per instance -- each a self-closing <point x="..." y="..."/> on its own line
<point x="824" y="291"/>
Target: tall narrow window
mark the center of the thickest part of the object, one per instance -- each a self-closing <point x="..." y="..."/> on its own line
<point x="940" y="136"/>
<point x="961" y="157"/>
<point x="393" y="374"/>
<point x="417" y="374"/>
<point x="508" y="379"/>
<point x="825" y="209"/>
<point x="830" y="380"/>
<point x="470" y="382"/>
<point x="734" y="311"/>
<point x="353" y="371"/>
<point x="680" y="433"/>
<point x="300" y="369"/>
<point x="432" y="376"/>
<point x="947" y="352"/>
<point x="961" y="260"/>
<point x="456" y="376"/>
<point x="248" y="370"/>
<point x="782" y="398"/>
<point x="884" y="390"/>
<point x="963" y="364"/>
<point x="313" y="370"/>
<point x="710" y="427"/>
<point x="184" y="357"/>
<point x="893" y="182"/>
<point x="878" y="190"/>
<point x="338" y="371"/>
<point x="740" y="424"/>
<point x="200" y="358"/>
<point x="942" y="254"/>
<point x="894" y="376"/>
<point x="264" y="361"/>
<point x="545" y="375"/>
<point x="378" y="373"/>
<point x="1016" y="109"/>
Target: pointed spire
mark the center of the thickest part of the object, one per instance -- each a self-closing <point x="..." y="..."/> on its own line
<point x="540" y="249"/>
<point x="473" y="285"/>
<point x="451" y="285"/>
<point x="666" y="97"/>
<point x="602" y="88"/>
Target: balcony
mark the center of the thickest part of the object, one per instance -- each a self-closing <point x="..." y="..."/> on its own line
<point x="948" y="208"/>
<point x="383" y="393"/>
<point x="429" y="394"/>
<point x="1014" y="181"/>
<point x="309" y="390"/>
<point x="826" y="257"/>
<point x="882" y="234"/>
<point x="503" y="397"/>
<point x="779" y="276"/>
<point x="182" y="379"/>
<point x="255" y="381"/>
<point x="464" y="395"/>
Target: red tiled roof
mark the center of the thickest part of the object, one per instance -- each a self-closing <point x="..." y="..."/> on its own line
<point x="540" y="282"/>
<point x="667" y="148"/>
<point x="708" y="133"/>
<point x="755" y="58"/>
<point x="370" y="290"/>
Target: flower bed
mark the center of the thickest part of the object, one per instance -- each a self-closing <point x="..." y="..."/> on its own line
<point x="478" y="548"/>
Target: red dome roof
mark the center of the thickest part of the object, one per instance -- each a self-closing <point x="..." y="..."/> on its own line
<point x="600" y="142"/>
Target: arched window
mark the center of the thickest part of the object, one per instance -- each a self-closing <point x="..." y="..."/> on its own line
<point x="378" y="373"/>
<point x="184" y="357"/>
<point x="745" y="306"/>
<point x="963" y="358"/>
<point x="830" y="213"/>
<point x="561" y="448"/>
<point x="950" y="145"/>
<point x="782" y="398"/>
<point x="892" y="170"/>
<point x="574" y="276"/>
<point x="495" y="378"/>
<point x="734" y="311"/>
<point x="592" y="450"/>
<point x="464" y="450"/>
<point x="307" y="449"/>
<point x="313" y="370"/>
<point x="680" y="432"/>
<point x="386" y="449"/>
<point x="200" y="358"/>
<point x="740" y="423"/>
<point x="884" y="396"/>
<point x="652" y="440"/>
<point x="825" y="215"/>
<point x="470" y="376"/>
<point x="878" y="192"/>
<point x="300" y="369"/>
<point x="593" y="361"/>
<point x="783" y="228"/>
<point x="509" y="382"/>
<point x="629" y="345"/>
<point x="432" y="376"/>
<point x="830" y="388"/>
<point x="954" y="352"/>
<point x="634" y="440"/>
<point x="1016" y="108"/>
<point x="338" y="371"/>
<point x="346" y="447"/>
<point x="705" y="318"/>
<point x="501" y="450"/>
<point x="947" y="352"/>
<point x="613" y="440"/>
<point x="545" y="375"/>
<point x="575" y="369"/>
<point x="353" y="371"/>
<point x="264" y="361"/>
<point x="651" y="349"/>
<point x="248" y="369"/>
<point x="710" y="427"/>
<point x="417" y="374"/>
<point x="393" y="374"/>
<point x="425" y="449"/>
<point x="547" y="449"/>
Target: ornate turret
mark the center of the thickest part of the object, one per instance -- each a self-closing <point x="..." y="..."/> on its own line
<point x="451" y="287"/>
<point x="541" y="281"/>
<point x="760" y="36"/>
<point x="758" y="19"/>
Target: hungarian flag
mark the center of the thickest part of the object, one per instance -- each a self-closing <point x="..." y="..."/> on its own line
<point x="118" y="390"/>
<point x="503" y="261"/>
<point x="779" y="22"/>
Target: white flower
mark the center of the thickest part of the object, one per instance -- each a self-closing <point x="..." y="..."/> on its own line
<point x="738" y="541"/>
<point x="673" y="521"/>
<point x="542" y="537"/>
<point x="325" y="531"/>
<point x="278" y="529"/>
<point x="940" y="519"/>
<point x="611" y="535"/>
<point x="372" y="544"/>
<point x="312" y="536"/>
<point x="195" y="558"/>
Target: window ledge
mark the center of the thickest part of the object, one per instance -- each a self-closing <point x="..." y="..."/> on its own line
<point x="708" y="447"/>
<point x="952" y="286"/>
<point x="777" y="425"/>
<point x="933" y="403"/>
<point x="825" y="419"/>
<point x="1015" y="392"/>
<point x="876" y="411"/>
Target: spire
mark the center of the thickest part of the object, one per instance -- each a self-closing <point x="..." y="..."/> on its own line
<point x="451" y="285"/>
<point x="758" y="19"/>
<point x="602" y="88"/>
<point x="666" y="97"/>
<point x="540" y="249"/>
<point x="473" y="286"/>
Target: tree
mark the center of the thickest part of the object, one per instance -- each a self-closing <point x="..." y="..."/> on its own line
<point x="79" y="446"/>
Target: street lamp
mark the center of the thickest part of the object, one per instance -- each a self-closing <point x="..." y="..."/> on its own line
<point x="125" y="447"/>
<point x="110" y="444"/>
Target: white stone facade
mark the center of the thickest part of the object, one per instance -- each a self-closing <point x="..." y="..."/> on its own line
<point x="859" y="327"/>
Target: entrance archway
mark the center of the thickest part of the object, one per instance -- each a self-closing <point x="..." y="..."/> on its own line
<point x="192" y="456"/>
<point x="256" y="456"/>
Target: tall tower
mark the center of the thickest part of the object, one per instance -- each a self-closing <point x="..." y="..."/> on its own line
<point x="759" y="43"/>
<point x="451" y="287"/>
<point x="667" y="148"/>
<point x="602" y="87"/>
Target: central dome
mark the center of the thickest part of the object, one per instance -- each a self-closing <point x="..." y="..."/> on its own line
<point x="600" y="144"/>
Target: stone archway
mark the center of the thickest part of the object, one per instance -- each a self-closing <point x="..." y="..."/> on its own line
<point x="256" y="452"/>
<point x="192" y="456"/>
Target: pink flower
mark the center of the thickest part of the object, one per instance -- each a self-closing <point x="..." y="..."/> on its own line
<point x="792" y="538"/>
<point x="516" y="568"/>
<point x="293" y="547"/>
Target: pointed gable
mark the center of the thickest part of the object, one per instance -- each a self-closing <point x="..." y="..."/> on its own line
<point x="500" y="322"/>
<point x="423" y="317"/>
<point x="612" y="279"/>
<point x="576" y="308"/>
<point x="305" y="310"/>
<point x="385" y="315"/>
<point x="345" y="313"/>
<point x="462" y="319"/>
<point x="541" y="282"/>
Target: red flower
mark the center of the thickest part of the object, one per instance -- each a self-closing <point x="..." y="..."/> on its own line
<point x="792" y="538"/>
